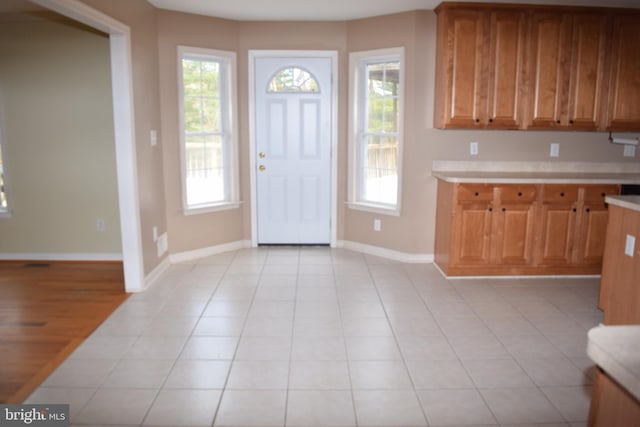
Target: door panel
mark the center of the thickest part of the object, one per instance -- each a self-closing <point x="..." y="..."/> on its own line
<point x="293" y="147"/>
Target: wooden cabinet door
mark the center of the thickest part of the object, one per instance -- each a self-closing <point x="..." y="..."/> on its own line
<point x="557" y="232"/>
<point x="472" y="234"/>
<point x="624" y="84"/>
<point x="591" y="234"/>
<point x="588" y="59"/>
<point x="512" y="238"/>
<point x="549" y="69"/>
<point x="460" y="48"/>
<point x="505" y="68"/>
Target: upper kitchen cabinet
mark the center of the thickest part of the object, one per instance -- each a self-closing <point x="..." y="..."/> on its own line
<point x="480" y="55"/>
<point x="567" y="65"/>
<point x="624" y="85"/>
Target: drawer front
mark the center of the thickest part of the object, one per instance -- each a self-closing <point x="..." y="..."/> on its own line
<point x="518" y="193"/>
<point x="597" y="193"/>
<point x="475" y="192"/>
<point x="560" y="193"/>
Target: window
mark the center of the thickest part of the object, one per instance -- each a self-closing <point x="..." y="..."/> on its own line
<point x="4" y="205"/>
<point x="376" y="124"/>
<point x="293" y="79"/>
<point x="208" y="129"/>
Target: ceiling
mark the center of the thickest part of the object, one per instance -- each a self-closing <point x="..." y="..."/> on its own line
<point x="308" y="10"/>
<point x="333" y="10"/>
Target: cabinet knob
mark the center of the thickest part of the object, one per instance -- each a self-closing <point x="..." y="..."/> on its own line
<point x="571" y="121"/>
<point x="558" y="121"/>
<point x="490" y="209"/>
<point x="603" y="194"/>
<point x="561" y="194"/>
<point x="519" y="193"/>
<point x="504" y="209"/>
<point x="588" y="210"/>
<point x="476" y="194"/>
<point x="575" y="210"/>
<point x="477" y="120"/>
<point x="491" y="120"/>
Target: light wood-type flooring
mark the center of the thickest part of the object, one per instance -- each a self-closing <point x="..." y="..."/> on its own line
<point x="46" y="310"/>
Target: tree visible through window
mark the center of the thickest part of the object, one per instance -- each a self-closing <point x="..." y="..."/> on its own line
<point x="4" y="206"/>
<point x="208" y="138"/>
<point x="293" y="79"/>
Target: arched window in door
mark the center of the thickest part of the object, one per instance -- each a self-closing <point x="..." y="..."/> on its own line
<point x="293" y="80"/>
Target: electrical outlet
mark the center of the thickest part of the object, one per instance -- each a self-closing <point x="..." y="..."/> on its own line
<point x="554" y="150"/>
<point x="155" y="234"/>
<point x="162" y="244"/>
<point x="376" y="225"/>
<point x="153" y="136"/>
<point x="630" y="245"/>
<point x="629" y="150"/>
<point x="100" y="227"/>
<point x="473" y="148"/>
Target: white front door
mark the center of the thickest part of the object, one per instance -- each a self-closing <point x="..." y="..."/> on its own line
<point x="293" y="149"/>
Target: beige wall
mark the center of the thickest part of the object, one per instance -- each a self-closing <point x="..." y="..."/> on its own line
<point x="141" y="18"/>
<point x="155" y="36"/>
<point x="55" y="94"/>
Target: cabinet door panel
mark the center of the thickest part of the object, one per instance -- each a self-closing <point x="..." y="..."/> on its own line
<point x="558" y="225"/>
<point x="593" y="232"/>
<point x="465" y="44"/>
<point x="624" y="89"/>
<point x="514" y="237"/>
<point x="589" y="46"/>
<point x="474" y="233"/>
<point x="549" y="68"/>
<point x="507" y="30"/>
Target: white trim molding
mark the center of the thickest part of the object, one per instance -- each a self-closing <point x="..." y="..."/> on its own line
<point x="124" y="131"/>
<point x="44" y="256"/>
<point x="208" y="251"/>
<point x="387" y="253"/>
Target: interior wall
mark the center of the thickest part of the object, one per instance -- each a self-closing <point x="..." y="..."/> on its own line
<point x="55" y="90"/>
<point x="140" y="16"/>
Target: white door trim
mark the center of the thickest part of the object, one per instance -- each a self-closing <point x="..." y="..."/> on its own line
<point x="124" y="131"/>
<point x="333" y="55"/>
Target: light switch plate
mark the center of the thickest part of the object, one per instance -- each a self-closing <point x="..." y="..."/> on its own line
<point x="554" y="149"/>
<point x="153" y="137"/>
<point x="473" y="148"/>
<point x="629" y="150"/>
<point x="630" y="245"/>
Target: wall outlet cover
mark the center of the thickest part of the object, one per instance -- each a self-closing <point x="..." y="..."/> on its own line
<point x="554" y="149"/>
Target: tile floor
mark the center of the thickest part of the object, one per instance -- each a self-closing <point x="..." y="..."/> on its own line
<point x="326" y="337"/>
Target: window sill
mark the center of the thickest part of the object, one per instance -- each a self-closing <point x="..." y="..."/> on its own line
<point x="212" y="208"/>
<point x="379" y="209"/>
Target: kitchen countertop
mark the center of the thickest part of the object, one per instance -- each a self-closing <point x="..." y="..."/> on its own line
<point x="536" y="172"/>
<point x="616" y="350"/>
<point x="630" y="202"/>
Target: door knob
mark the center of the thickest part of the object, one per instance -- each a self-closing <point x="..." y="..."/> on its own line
<point x="262" y="155"/>
<point x="262" y="168"/>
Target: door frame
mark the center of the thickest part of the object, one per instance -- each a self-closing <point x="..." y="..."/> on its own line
<point x="333" y="56"/>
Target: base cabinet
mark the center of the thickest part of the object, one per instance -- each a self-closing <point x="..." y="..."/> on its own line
<point x="612" y="405"/>
<point x="520" y="229"/>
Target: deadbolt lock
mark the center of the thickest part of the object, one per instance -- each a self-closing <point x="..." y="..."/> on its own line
<point x="262" y="168"/>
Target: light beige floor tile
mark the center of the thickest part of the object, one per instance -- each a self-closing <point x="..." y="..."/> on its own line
<point x="318" y="327"/>
<point x="269" y="308"/>
<point x="323" y="308"/>
<point x="319" y="375"/>
<point x="510" y="325"/>
<point x="156" y="348"/>
<point x="438" y="374"/>
<point x="455" y="407"/>
<point x="212" y="348"/>
<point x="462" y="326"/>
<point x="184" y="407"/>
<point x="275" y="293"/>
<point x="219" y="326"/>
<point x="520" y="405"/>
<point x="76" y="398"/>
<point x="268" y="327"/>
<point x="493" y="373"/>
<point x="318" y="348"/>
<point x="372" y="348"/>
<point x="553" y="372"/>
<point x="388" y="408"/>
<point x="139" y="373"/>
<point x="530" y="346"/>
<point x="478" y="347"/>
<point x="264" y="348"/>
<point x="227" y="308"/>
<point x="80" y="373"/>
<point x="249" y="408"/>
<point x="379" y="375"/>
<point x="131" y="404"/>
<point x="572" y="402"/>
<point x="101" y="347"/>
<point x="255" y="375"/>
<point x="367" y="327"/>
<point x="326" y="408"/>
<point x="198" y="374"/>
<point x="171" y="326"/>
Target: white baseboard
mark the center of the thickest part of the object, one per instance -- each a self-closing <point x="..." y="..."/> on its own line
<point x="60" y="257"/>
<point x="386" y="253"/>
<point x="209" y="251"/>
<point x="155" y="274"/>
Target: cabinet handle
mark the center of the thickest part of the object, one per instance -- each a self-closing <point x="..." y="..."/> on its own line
<point x="520" y="194"/>
<point x="561" y="194"/>
<point x="588" y="210"/>
<point x="575" y="210"/>
<point x="476" y="194"/>
<point x="603" y="194"/>
<point x="504" y="209"/>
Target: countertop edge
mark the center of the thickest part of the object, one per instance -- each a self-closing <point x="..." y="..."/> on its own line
<point x="609" y="363"/>
<point x="631" y="202"/>
<point x="484" y="177"/>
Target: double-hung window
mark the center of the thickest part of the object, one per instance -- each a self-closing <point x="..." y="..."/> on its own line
<point x="208" y="129"/>
<point x="375" y="129"/>
<point x="4" y="204"/>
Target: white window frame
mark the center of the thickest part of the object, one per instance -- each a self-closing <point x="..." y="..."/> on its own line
<point x="357" y="92"/>
<point x="4" y="212"/>
<point x="228" y="98"/>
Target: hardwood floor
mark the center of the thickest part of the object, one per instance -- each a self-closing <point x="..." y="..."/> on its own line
<point x="46" y="310"/>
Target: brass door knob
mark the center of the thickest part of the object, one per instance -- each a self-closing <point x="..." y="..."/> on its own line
<point x="262" y="155"/>
<point x="262" y="168"/>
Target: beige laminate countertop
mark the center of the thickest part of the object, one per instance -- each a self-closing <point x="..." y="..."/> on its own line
<point x="628" y="202"/>
<point x="616" y="349"/>
<point x="536" y="172"/>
